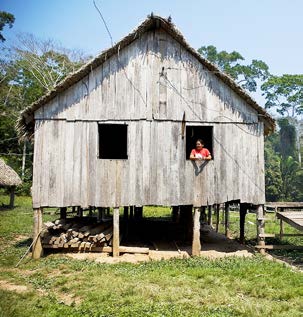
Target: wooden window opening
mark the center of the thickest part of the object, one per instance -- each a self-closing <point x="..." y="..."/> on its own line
<point x="193" y="133"/>
<point x="113" y="141"/>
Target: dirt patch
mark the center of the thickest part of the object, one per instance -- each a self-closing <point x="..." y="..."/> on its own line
<point x="68" y="299"/>
<point x="213" y="246"/>
<point x="20" y="237"/>
<point x="7" y="286"/>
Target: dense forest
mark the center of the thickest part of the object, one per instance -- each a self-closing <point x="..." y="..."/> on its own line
<point x="31" y="67"/>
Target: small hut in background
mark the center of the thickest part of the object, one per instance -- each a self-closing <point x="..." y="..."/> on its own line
<point x="10" y="179"/>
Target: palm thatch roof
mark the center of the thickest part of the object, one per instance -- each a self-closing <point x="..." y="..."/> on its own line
<point x="25" y="124"/>
<point x="8" y="177"/>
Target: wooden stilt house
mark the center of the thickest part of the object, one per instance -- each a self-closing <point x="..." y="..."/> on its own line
<point x="119" y="131"/>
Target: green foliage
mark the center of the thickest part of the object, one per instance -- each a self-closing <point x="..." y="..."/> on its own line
<point x="285" y="94"/>
<point x="287" y="135"/>
<point x="273" y="177"/>
<point x="5" y="19"/>
<point x="283" y="175"/>
<point x="28" y="69"/>
<point x="290" y="171"/>
<point x="232" y="64"/>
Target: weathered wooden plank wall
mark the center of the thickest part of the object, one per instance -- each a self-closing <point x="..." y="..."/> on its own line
<point x="149" y="86"/>
<point x="155" y="173"/>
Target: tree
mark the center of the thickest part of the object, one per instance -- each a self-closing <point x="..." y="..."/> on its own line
<point x="273" y="177"/>
<point x="5" y="19"/>
<point x="290" y="172"/>
<point x="42" y="64"/>
<point x="29" y="69"/>
<point x="285" y="94"/>
<point x="232" y="64"/>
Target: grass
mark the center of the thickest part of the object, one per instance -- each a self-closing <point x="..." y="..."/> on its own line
<point x="60" y="286"/>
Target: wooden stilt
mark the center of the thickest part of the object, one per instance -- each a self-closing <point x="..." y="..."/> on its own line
<point x="90" y="211"/>
<point x="196" y="245"/>
<point x="260" y="228"/>
<point x="209" y="216"/>
<point x="186" y="219"/>
<point x="100" y="214"/>
<point x="125" y="213"/>
<point x="243" y="211"/>
<point x="37" y="250"/>
<point x="175" y="212"/>
<point x="217" y="217"/>
<point x="116" y="232"/>
<point x="126" y="221"/>
<point x="12" y="197"/>
<point x="203" y="214"/>
<point x="227" y="231"/>
<point x="63" y="213"/>
<point x="131" y="212"/>
<point x="138" y="212"/>
<point x="281" y="228"/>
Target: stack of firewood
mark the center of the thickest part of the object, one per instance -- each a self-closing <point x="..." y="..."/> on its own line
<point x="73" y="234"/>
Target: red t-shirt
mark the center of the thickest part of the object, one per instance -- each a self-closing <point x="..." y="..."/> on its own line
<point x="200" y="153"/>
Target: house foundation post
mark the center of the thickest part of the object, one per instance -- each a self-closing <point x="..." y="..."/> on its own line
<point x="131" y="212"/>
<point x="63" y="211"/>
<point x="175" y="213"/>
<point x="100" y="214"/>
<point x="116" y="232"/>
<point x="243" y="212"/>
<point x="196" y="244"/>
<point x="217" y="216"/>
<point x="227" y="231"/>
<point x="260" y="228"/>
<point x="37" y="250"/>
<point x="209" y="217"/>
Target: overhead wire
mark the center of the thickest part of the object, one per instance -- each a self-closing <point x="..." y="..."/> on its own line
<point x="118" y="55"/>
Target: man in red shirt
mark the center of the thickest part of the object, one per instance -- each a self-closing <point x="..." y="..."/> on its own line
<point x="200" y="153"/>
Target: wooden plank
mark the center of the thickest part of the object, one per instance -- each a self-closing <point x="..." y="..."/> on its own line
<point x="37" y="250"/>
<point x="116" y="238"/>
<point x="226" y="214"/>
<point x="285" y="204"/>
<point x="126" y="249"/>
<point x="243" y="212"/>
<point x="68" y="164"/>
<point x="146" y="163"/>
<point x="294" y="219"/>
<point x="196" y="244"/>
<point x="260" y="228"/>
<point x="37" y="165"/>
<point x="77" y="157"/>
<point x="280" y="247"/>
<point x="275" y="235"/>
<point x="92" y="140"/>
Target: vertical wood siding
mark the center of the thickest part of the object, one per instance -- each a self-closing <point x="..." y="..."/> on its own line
<point x="149" y="85"/>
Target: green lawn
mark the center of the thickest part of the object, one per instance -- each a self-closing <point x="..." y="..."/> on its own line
<point x="59" y="286"/>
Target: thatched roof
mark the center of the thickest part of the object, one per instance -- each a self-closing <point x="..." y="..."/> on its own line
<point x="25" y="124"/>
<point x="8" y="177"/>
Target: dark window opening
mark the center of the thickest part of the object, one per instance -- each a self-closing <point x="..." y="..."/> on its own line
<point x="193" y="133"/>
<point x="113" y="141"/>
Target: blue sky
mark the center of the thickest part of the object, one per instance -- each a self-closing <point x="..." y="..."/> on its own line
<point x="270" y="30"/>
